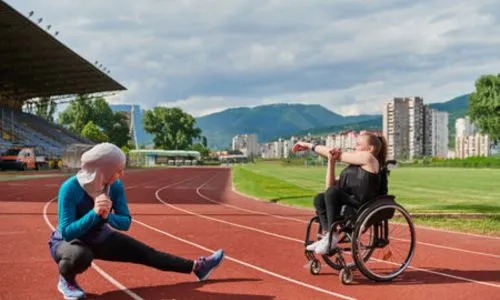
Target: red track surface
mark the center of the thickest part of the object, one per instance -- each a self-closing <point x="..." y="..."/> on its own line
<point x="191" y="211"/>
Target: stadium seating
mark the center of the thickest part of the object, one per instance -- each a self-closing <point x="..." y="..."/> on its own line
<point x="29" y="129"/>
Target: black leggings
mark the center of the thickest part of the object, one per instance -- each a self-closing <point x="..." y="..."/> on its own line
<point x="329" y="205"/>
<point x="75" y="257"/>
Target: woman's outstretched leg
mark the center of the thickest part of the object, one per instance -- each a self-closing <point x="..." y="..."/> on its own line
<point x="123" y="248"/>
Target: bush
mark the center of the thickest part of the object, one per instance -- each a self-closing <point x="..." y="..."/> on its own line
<point x="470" y="162"/>
<point x="209" y="163"/>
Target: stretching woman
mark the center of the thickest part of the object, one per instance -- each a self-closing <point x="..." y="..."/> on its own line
<point x="359" y="182"/>
<point x="90" y="205"/>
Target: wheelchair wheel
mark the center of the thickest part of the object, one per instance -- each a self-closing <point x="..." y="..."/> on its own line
<point x="315" y="267"/>
<point x="346" y="276"/>
<point x="392" y="246"/>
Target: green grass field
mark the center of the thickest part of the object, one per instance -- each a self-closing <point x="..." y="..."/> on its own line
<point x="420" y="190"/>
<point x="14" y="177"/>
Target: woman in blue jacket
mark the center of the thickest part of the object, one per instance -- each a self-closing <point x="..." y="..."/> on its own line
<point x="92" y="209"/>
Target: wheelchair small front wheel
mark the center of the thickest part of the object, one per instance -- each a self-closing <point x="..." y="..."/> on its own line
<point x="346" y="276"/>
<point x="315" y="267"/>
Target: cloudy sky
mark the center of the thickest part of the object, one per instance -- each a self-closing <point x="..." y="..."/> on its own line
<point x="350" y="56"/>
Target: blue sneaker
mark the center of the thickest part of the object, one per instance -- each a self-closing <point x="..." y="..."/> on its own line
<point x="70" y="289"/>
<point x="206" y="265"/>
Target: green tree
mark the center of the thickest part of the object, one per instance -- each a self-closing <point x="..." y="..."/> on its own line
<point x="78" y="114"/>
<point x="118" y="131"/>
<point x="45" y="108"/>
<point x="484" y="106"/>
<point x="202" y="149"/>
<point x="172" y="128"/>
<point x="102" y="114"/>
<point x="125" y="149"/>
<point x="92" y="132"/>
<point x="85" y="109"/>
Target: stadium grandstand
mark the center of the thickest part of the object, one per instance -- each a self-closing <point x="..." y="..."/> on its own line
<point x="34" y="64"/>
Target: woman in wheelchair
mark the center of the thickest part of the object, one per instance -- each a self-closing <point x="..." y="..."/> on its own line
<point x="361" y="181"/>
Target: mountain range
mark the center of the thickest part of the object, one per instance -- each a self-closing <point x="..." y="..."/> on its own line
<point x="273" y="121"/>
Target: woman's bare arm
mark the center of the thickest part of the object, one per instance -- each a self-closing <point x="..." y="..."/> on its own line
<point x="330" y="174"/>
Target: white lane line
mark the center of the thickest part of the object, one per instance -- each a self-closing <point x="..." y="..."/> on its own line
<point x="291" y="238"/>
<point x="246" y="264"/>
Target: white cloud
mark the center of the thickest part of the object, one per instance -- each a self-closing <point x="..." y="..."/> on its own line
<point x="350" y="56"/>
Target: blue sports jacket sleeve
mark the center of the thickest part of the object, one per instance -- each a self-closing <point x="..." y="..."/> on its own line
<point x="119" y="218"/>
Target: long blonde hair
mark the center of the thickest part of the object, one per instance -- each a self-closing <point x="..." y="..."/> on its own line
<point x="380" y="144"/>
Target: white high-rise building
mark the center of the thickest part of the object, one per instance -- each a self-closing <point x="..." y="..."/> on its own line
<point x="439" y="136"/>
<point x="413" y="129"/>
<point x="396" y="127"/>
<point x="278" y="148"/>
<point x="267" y="150"/>
<point x="416" y="113"/>
<point x="463" y="127"/>
<point x="246" y="143"/>
<point x="428" y="131"/>
<point x="287" y="147"/>
<point x="469" y="142"/>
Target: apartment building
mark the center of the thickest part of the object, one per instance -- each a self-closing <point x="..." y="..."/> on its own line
<point x="439" y="134"/>
<point x="469" y="142"/>
<point x="413" y="129"/>
<point x="396" y="127"/>
<point x="416" y="115"/>
<point x="246" y="143"/>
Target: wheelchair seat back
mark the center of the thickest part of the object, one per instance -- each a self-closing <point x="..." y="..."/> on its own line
<point x="381" y="215"/>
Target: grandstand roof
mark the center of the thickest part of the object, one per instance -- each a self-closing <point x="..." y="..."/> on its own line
<point x="35" y="64"/>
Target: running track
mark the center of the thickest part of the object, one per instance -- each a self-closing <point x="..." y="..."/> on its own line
<point x="192" y="211"/>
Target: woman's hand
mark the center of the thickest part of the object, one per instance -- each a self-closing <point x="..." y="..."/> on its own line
<point x="334" y="154"/>
<point x="102" y="205"/>
<point x="301" y="146"/>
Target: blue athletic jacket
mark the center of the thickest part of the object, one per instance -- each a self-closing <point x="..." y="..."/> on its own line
<point x="78" y="220"/>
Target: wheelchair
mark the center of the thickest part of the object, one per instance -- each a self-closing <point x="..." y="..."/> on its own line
<point x="368" y="235"/>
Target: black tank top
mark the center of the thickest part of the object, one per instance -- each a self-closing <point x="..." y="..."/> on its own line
<point x="360" y="183"/>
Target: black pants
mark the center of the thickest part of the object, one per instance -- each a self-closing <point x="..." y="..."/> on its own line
<point x="329" y="205"/>
<point x="75" y="257"/>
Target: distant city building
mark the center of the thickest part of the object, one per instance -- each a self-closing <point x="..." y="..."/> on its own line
<point x="463" y="127"/>
<point x="468" y="140"/>
<point x="396" y="127"/>
<point x="246" y="143"/>
<point x="287" y="147"/>
<point x="416" y="114"/>
<point x="413" y="129"/>
<point x="345" y="140"/>
<point x="278" y="149"/>
<point x="267" y="150"/>
<point x="439" y="134"/>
